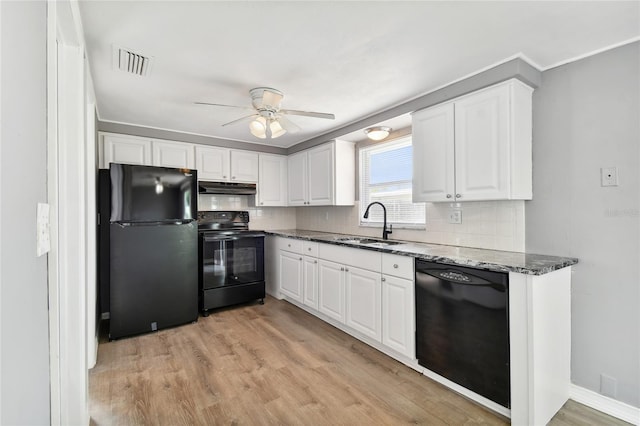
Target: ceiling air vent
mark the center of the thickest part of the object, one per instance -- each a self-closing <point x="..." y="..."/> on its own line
<point x="131" y="62"/>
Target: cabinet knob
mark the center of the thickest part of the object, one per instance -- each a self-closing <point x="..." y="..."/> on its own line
<point x="262" y="202"/>
<point x="233" y="177"/>
<point x="224" y="177"/>
<point x="309" y="248"/>
<point x="342" y="269"/>
<point x="315" y="261"/>
<point x="383" y="279"/>
<point x="289" y="245"/>
<point x="395" y="265"/>
<point x="448" y="195"/>
<point x="300" y="259"/>
<point x="458" y="196"/>
<point x="346" y="269"/>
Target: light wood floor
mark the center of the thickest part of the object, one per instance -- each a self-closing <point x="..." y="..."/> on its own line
<point x="274" y="364"/>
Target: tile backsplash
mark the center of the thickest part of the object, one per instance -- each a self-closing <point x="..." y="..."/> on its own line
<point x="260" y="217"/>
<point x="497" y="225"/>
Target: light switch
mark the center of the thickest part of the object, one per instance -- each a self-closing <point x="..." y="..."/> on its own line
<point x="43" y="241"/>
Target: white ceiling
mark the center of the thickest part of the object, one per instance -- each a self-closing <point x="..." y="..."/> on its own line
<point x="349" y="58"/>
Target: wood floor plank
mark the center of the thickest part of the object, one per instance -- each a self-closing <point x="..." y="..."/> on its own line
<point x="273" y="364"/>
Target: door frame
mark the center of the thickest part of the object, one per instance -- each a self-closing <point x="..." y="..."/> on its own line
<point x="67" y="261"/>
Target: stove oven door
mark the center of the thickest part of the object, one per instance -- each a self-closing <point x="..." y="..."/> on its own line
<point x="231" y="260"/>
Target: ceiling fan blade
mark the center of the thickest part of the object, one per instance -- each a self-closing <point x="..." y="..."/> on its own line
<point x="271" y="99"/>
<point x="308" y="114"/>
<point x="223" y="105"/>
<point x="288" y="125"/>
<point x="246" y="118"/>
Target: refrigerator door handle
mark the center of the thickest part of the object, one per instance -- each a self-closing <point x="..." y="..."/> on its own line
<point x="189" y="222"/>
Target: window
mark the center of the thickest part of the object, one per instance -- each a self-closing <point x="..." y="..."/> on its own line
<point x="386" y="172"/>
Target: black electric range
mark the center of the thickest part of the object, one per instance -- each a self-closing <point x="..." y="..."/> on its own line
<point x="231" y="260"/>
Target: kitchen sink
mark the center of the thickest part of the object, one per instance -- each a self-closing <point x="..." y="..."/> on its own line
<point x="369" y="241"/>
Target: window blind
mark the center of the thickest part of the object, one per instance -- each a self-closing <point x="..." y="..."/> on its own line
<point x="386" y="172"/>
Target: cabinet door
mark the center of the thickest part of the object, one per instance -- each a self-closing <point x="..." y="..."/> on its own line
<point x="321" y="175"/>
<point x="212" y="163"/>
<point x="173" y="154"/>
<point x="244" y="166"/>
<point x="297" y="179"/>
<point x="272" y="184"/>
<point x="331" y="289"/>
<point x="363" y="301"/>
<point x="433" y="154"/>
<point x="125" y="150"/>
<point x="398" y="320"/>
<point x="482" y="145"/>
<point x="310" y="281"/>
<point x="291" y="275"/>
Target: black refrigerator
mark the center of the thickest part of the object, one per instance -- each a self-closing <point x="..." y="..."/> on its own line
<point x="153" y="248"/>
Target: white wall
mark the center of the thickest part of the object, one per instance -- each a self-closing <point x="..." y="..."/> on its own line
<point x="587" y="116"/>
<point x="24" y="356"/>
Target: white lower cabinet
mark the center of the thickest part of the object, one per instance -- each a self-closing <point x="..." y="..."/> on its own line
<point x="374" y="299"/>
<point x="331" y="284"/>
<point x="398" y="318"/>
<point x="310" y="281"/>
<point x="290" y="274"/>
<point x="398" y="304"/>
<point x="363" y="301"/>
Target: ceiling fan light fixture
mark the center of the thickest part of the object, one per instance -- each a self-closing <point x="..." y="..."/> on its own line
<point x="377" y="133"/>
<point x="276" y="129"/>
<point x="258" y="127"/>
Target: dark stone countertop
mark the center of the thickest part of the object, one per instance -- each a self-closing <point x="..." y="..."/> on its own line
<point x="493" y="260"/>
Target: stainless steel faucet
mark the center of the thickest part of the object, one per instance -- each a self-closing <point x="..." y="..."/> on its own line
<point x="385" y="233"/>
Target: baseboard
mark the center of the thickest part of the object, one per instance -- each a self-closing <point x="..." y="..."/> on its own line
<point x="605" y="404"/>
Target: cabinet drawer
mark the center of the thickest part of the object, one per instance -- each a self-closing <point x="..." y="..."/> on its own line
<point x="310" y="248"/>
<point x="290" y="244"/>
<point x="361" y="258"/>
<point x="398" y="266"/>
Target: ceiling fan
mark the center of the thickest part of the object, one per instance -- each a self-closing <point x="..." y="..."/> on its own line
<point x="268" y="119"/>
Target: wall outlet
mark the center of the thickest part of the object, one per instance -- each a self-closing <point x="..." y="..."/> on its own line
<point x="609" y="176"/>
<point x="608" y="386"/>
<point x="455" y="216"/>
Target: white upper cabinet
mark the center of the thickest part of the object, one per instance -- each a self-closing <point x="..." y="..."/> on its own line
<point x="297" y="180"/>
<point x="212" y="163"/>
<point x="226" y="165"/>
<point x="323" y="175"/>
<point x="244" y="166"/>
<point x="124" y="149"/>
<point x="476" y="147"/>
<point x="433" y="153"/>
<point x="272" y="182"/>
<point x="173" y="154"/>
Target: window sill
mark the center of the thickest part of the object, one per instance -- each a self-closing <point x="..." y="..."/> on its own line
<point x="395" y="226"/>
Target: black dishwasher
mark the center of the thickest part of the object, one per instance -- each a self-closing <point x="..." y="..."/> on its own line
<point x="462" y="327"/>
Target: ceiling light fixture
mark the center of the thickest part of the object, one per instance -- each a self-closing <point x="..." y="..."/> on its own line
<point x="377" y="133"/>
<point x="264" y="128"/>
